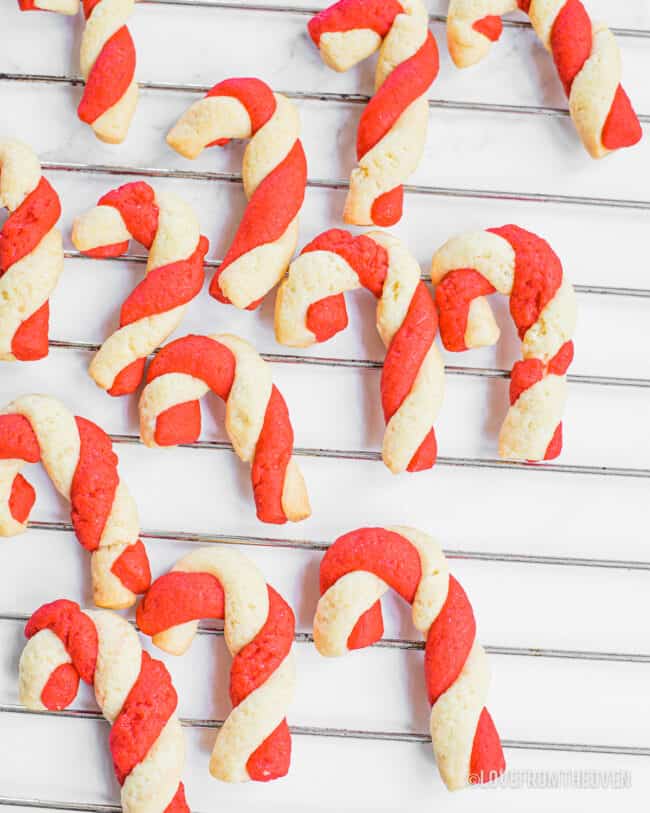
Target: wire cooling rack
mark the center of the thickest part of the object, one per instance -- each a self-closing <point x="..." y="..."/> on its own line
<point x="455" y="370"/>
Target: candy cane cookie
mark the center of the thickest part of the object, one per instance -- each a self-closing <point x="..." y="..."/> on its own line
<point x="31" y="253"/>
<point x="168" y="227"/>
<point x="107" y="61"/>
<point x="393" y="127"/>
<point x="134" y="692"/>
<point x="60" y="6"/>
<point x="355" y="573"/>
<point x="586" y="56"/>
<point x="521" y="265"/>
<point x="254" y="741"/>
<point x="274" y="174"/>
<point x="310" y="307"/>
<point x="257" y="419"/>
<point x="79" y="458"/>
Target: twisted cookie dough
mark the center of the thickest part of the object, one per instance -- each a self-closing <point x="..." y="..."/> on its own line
<point x="521" y="265"/>
<point x="586" y="56"/>
<point x="393" y="127"/>
<point x="134" y="692"/>
<point x="254" y="742"/>
<point x="31" y="253"/>
<point x="310" y="308"/>
<point x="257" y="419"/>
<point x="355" y="573"/>
<point x="168" y="227"/>
<point x="274" y="175"/>
<point x="107" y="60"/>
<point x="80" y="461"/>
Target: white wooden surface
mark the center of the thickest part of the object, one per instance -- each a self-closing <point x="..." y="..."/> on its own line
<point x="542" y="604"/>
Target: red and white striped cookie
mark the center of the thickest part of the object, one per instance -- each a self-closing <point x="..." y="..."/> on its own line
<point x="31" y="253"/>
<point x="134" y="692"/>
<point x="274" y="173"/>
<point x="254" y="741"/>
<point x="586" y="56"/>
<point x="107" y="61"/>
<point x="60" y="6"/>
<point x="393" y="127"/>
<point x="355" y="573"/>
<point x="257" y="419"/>
<point x="79" y="458"/>
<point x="521" y="265"/>
<point x="310" y="307"/>
<point x="169" y="228"/>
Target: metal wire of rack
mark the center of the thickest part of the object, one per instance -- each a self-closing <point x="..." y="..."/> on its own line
<point x="203" y="538"/>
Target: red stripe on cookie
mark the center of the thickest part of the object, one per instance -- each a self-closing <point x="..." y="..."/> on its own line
<point x="94" y="484"/>
<point x="255" y="95"/>
<point x="622" y="127"/>
<point x="18" y="440"/>
<point x="109" y="77"/>
<point x="145" y="712"/>
<point x="28" y="224"/>
<point x="136" y="202"/>
<point x="21" y="499"/>
<point x="166" y="287"/>
<point x="272" y="207"/>
<point x="387" y="209"/>
<point x="487" y="760"/>
<point x="538" y="275"/>
<point x="449" y="641"/>
<point x="75" y="630"/>
<point x="178" y="597"/>
<point x="454" y="295"/>
<point x="30" y="341"/>
<point x="404" y="85"/>
<point x="128" y="379"/>
<point x="555" y="446"/>
<point x="112" y="250"/>
<point x="132" y="568"/>
<point x="61" y="687"/>
<point x="178" y="804"/>
<point x="251" y="667"/>
<point x="561" y="361"/>
<point x="272" y="456"/>
<point x="404" y="358"/>
<point x="490" y="26"/>
<point x="350" y="15"/>
<point x="327" y="317"/>
<point x="524" y="374"/>
<point x="571" y="39"/>
<point x="385" y="553"/>
<point x="180" y="423"/>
